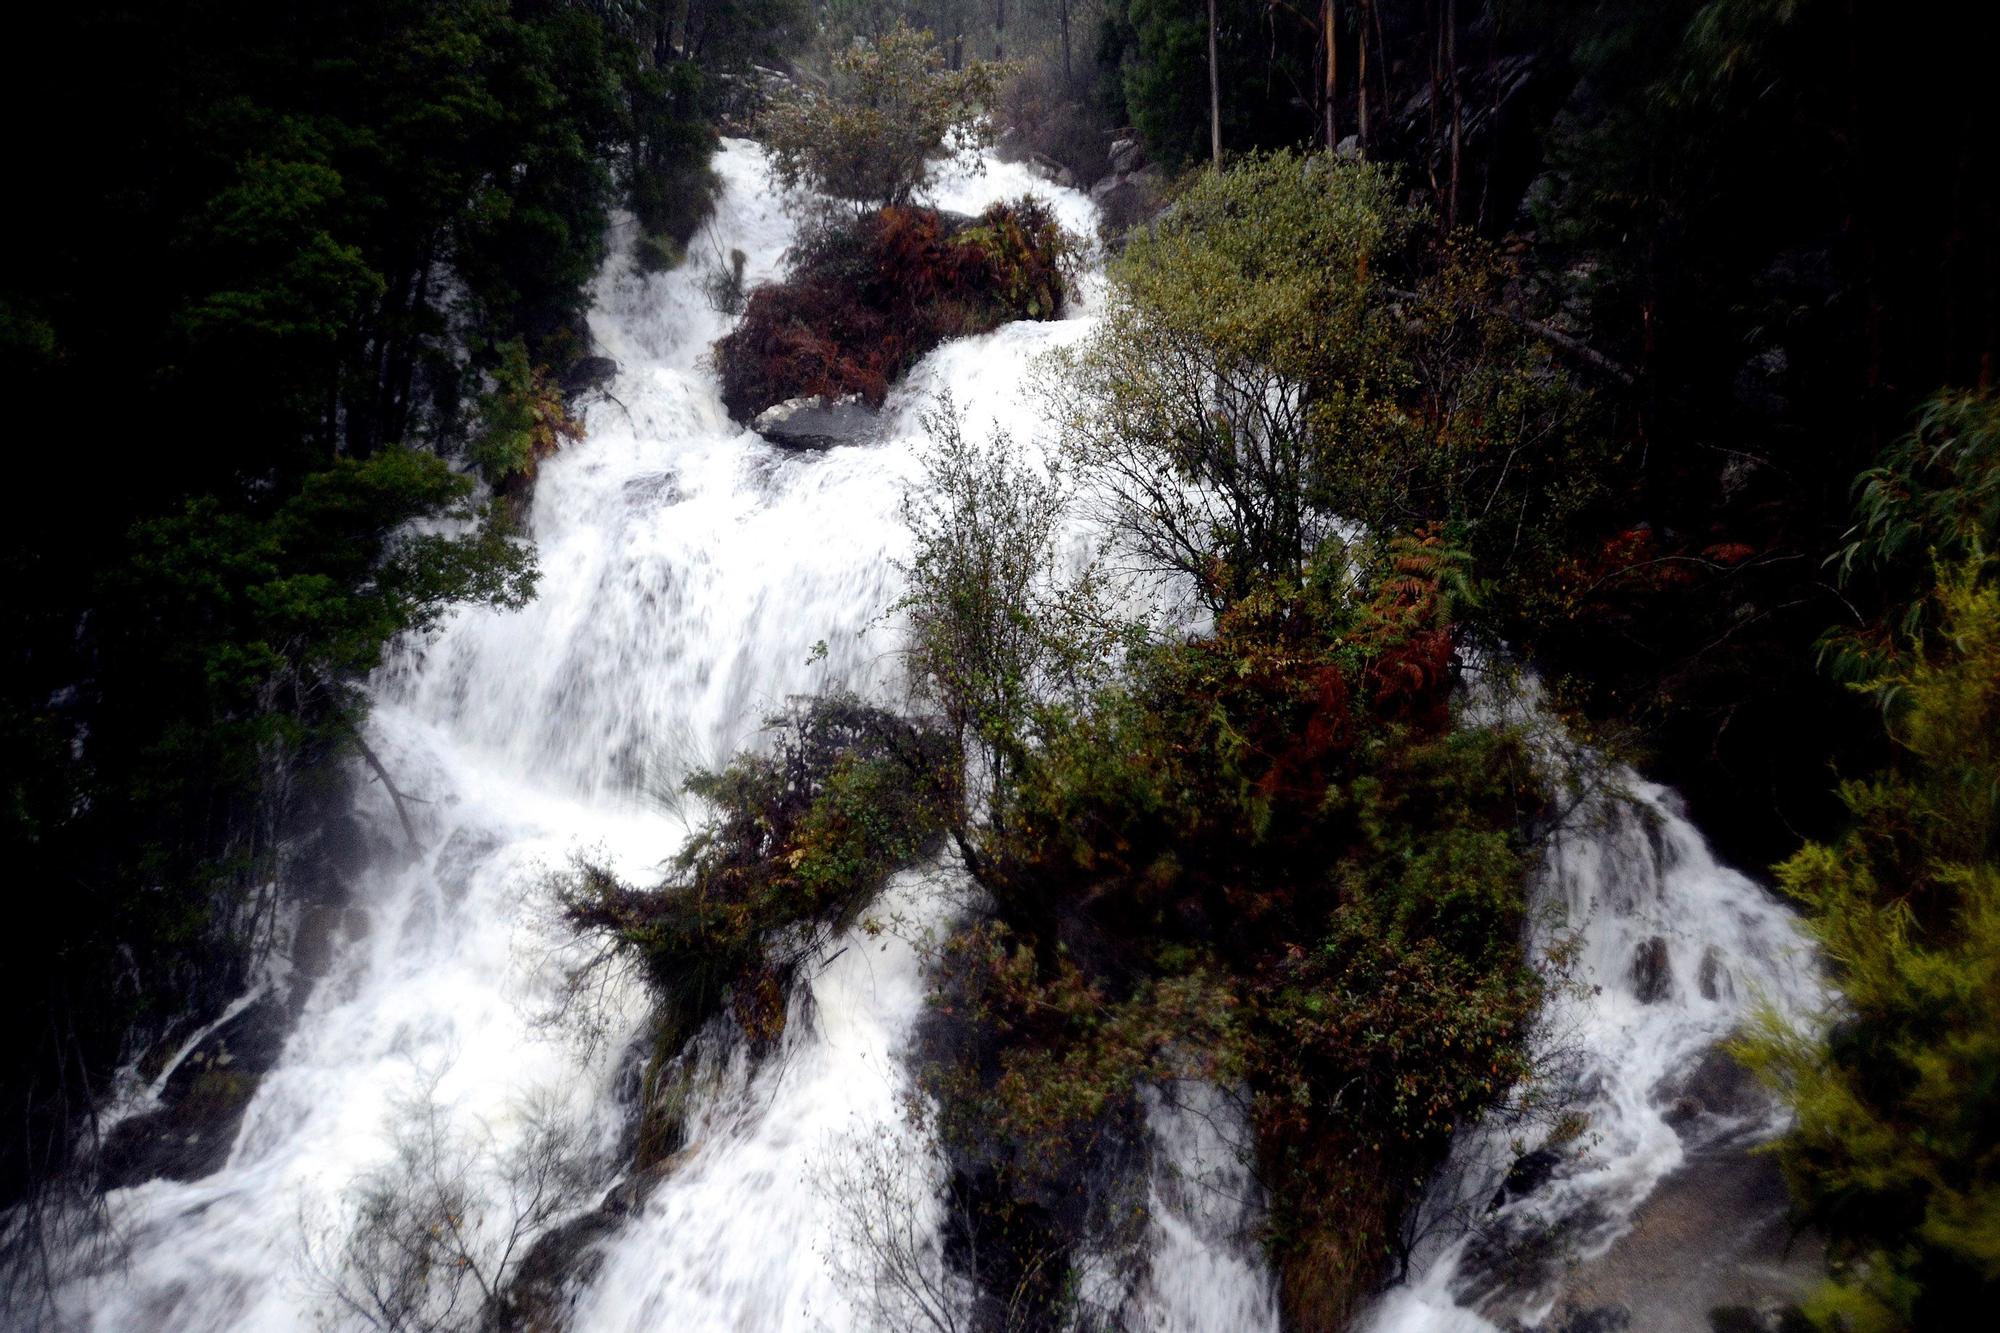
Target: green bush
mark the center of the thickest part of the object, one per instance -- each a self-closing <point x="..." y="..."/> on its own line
<point x="799" y="840"/>
<point x="1300" y="349"/>
<point x="890" y="113"/>
<point x="866" y="300"/>
<point x="1894" y="1154"/>
<point x="1271" y="860"/>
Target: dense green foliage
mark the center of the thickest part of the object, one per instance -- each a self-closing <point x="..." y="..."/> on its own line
<point x="291" y="269"/>
<point x="1302" y="350"/>
<point x="891" y="112"/>
<point x="1270" y="856"/>
<point x="1772" y="214"/>
<point x="1161" y="57"/>
<point x="1266" y="858"/>
<point x="1769" y="227"/>
<point x="1580" y="344"/>
<point x="1893" y="1156"/>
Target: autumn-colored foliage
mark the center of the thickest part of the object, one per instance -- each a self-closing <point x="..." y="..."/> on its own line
<point x="1272" y="862"/>
<point x="864" y="303"/>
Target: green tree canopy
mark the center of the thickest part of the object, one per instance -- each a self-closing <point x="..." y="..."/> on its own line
<point x="891" y="111"/>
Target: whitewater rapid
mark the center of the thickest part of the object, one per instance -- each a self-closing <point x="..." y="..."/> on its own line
<point x="689" y="571"/>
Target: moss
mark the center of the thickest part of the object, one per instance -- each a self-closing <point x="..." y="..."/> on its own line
<point x="663" y="1098"/>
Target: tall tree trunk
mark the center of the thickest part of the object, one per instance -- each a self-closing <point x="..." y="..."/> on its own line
<point x="1492" y="119"/>
<point x="999" y="29"/>
<point x="1374" y="15"/>
<point x="1326" y="22"/>
<point x="1361" y="75"/>
<point x="1063" y="13"/>
<point x="1436" y="97"/>
<point x="1214" y="95"/>
<point x="1457" y="116"/>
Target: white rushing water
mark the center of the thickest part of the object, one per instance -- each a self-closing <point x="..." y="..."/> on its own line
<point x="1673" y="952"/>
<point x="689" y="570"/>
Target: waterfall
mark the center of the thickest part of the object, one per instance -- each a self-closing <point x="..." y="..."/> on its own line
<point x="1672" y="953"/>
<point x="689" y="571"/>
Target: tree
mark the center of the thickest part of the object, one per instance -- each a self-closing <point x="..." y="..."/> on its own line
<point x="1000" y="629"/>
<point x="1214" y="96"/>
<point x="1293" y="356"/>
<point x="1184" y="91"/>
<point x="1892" y="1155"/>
<point x="890" y="113"/>
<point x="259" y="262"/>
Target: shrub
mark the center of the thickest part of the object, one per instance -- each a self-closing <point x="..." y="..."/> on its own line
<point x="658" y="254"/>
<point x="1049" y="122"/>
<point x="1296" y="349"/>
<point x="801" y="838"/>
<point x="1269" y="860"/>
<point x="865" y="302"/>
<point x="997" y="635"/>
<point x="521" y="420"/>
<point x="1893" y="1153"/>
<point x="890" y="111"/>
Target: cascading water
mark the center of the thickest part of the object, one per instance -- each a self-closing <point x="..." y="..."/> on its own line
<point x="1672" y="952"/>
<point x="689" y="570"/>
<point x="1204" y="1270"/>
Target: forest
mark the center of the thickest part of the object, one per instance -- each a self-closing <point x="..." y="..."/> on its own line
<point x="1469" y="402"/>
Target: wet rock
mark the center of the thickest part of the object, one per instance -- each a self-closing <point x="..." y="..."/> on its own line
<point x="1652" y="971"/>
<point x="1052" y="171"/>
<point x="1598" y="1319"/>
<point x="1717" y="1086"/>
<point x="560" y="1264"/>
<point x="588" y="373"/>
<point x="1750" y="1319"/>
<point x="459" y="860"/>
<point x="1531" y="1171"/>
<point x="1128" y="201"/>
<point x="807" y="423"/>
<point x="189" y="1136"/>
<point x="313" y="942"/>
<point x="1711" y="978"/>
<point x="553" y="1273"/>
<point x="1715" y="1234"/>
<point x="1126" y="156"/>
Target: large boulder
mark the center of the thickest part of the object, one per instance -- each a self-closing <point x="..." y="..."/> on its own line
<point x="808" y="423"/>
<point x="1052" y="171"/>
<point x="587" y="374"/>
<point x="1128" y="201"/>
<point x="559" y="1266"/>
<point x="189" y="1135"/>
<point x="1652" y="971"/>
